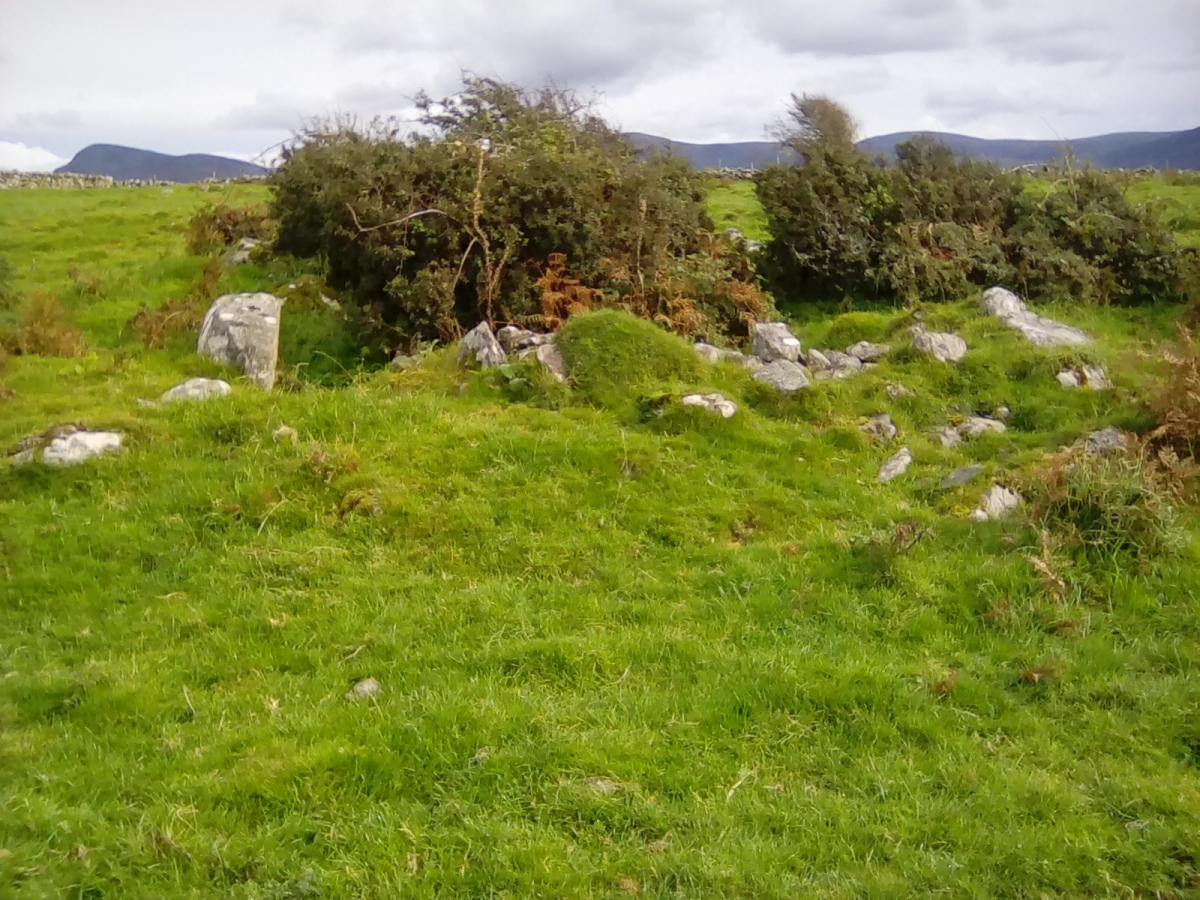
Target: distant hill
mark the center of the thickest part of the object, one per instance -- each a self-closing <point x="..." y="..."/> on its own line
<point x="127" y="163"/>
<point x="1131" y="150"/>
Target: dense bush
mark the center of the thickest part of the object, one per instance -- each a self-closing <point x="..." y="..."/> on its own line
<point x="220" y="225"/>
<point x="509" y="207"/>
<point x="930" y="226"/>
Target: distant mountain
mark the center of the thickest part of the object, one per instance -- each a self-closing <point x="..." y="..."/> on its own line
<point x="1132" y="150"/>
<point x="126" y="164"/>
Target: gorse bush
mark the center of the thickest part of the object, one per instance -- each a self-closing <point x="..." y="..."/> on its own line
<point x="509" y="207"/>
<point x="220" y="225"/>
<point x="931" y="226"/>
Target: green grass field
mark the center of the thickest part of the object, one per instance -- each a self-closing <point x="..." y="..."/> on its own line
<point x="619" y="653"/>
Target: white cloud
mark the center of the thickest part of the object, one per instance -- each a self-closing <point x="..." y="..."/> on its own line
<point x="23" y="158"/>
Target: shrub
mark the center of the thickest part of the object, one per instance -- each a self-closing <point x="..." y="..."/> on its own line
<point x="612" y="356"/>
<point x="931" y="226"/>
<point x="44" y="329"/>
<point x="219" y="226"/>
<point x="511" y="207"/>
<point x="1108" y="506"/>
<point x="1176" y="403"/>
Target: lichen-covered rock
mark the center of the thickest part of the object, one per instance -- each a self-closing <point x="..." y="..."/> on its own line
<point x="243" y="330"/>
<point x="942" y="346"/>
<point x="714" y="403"/>
<point x="774" y="341"/>
<point x="896" y="466"/>
<point x="480" y="348"/>
<point x="880" y="427"/>
<point x="1038" y="330"/>
<point x="197" y="389"/>
<point x="997" y="503"/>
<point x="240" y="255"/>
<point x="1091" y="377"/>
<point x="961" y="476"/>
<point x="68" y="446"/>
<point x="865" y="351"/>
<point x="898" y="392"/>
<point x="975" y="426"/>
<point x="1104" y="442"/>
<point x="784" y="375"/>
<point x="710" y="354"/>
<point x="949" y="437"/>
<point x="1068" y="379"/>
<point x="549" y="358"/>
<point x="817" y="361"/>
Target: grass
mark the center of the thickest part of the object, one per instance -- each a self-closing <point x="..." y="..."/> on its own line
<point x="733" y="204"/>
<point x="676" y="657"/>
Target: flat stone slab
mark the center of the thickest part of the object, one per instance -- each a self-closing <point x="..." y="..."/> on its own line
<point x="1038" y="330"/>
<point x="197" y="389"/>
<point x="70" y="448"/>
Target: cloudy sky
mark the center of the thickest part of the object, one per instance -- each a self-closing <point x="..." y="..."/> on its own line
<point x="236" y="76"/>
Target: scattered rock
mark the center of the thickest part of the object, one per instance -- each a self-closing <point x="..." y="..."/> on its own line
<point x="549" y="357"/>
<point x="949" y="437"/>
<point x="996" y="504"/>
<point x="67" y="446"/>
<point x="865" y="351"/>
<point x="1038" y="330"/>
<point x="401" y="362"/>
<point x="368" y="687"/>
<point x="240" y="255"/>
<point x="1103" y="442"/>
<point x="1091" y="377"/>
<point x="714" y="403"/>
<point x="709" y="353"/>
<point x="979" y="425"/>
<point x="774" y="341"/>
<point x="942" y="346"/>
<point x="285" y="433"/>
<point x="1003" y="413"/>
<point x="481" y="348"/>
<point x="961" y="476"/>
<point x="603" y="786"/>
<point x="880" y="427"/>
<point x="514" y="339"/>
<point x="898" y="391"/>
<point x="896" y="466"/>
<point x="817" y="361"/>
<point x="842" y="365"/>
<point x="784" y="375"/>
<point x="243" y="330"/>
<point x="197" y="389"/>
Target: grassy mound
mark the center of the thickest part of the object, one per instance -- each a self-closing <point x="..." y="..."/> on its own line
<point x="613" y="358"/>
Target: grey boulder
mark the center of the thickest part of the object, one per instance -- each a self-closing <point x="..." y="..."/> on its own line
<point x="997" y="503"/>
<point x="961" y="476"/>
<point x="880" y="427"/>
<point x="70" y="447"/>
<point x="480" y="347"/>
<point x="896" y="466"/>
<point x="243" y="330"/>
<point x="1038" y="330"/>
<point x="865" y="351"/>
<point x="240" y="255"/>
<point x="942" y="346"/>
<point x="197" y="389"/>
<point x="775" y="341"/>
<point x="551" y="360"/>
<point x="784" y="375"/>
<point x="1104" y="442"/>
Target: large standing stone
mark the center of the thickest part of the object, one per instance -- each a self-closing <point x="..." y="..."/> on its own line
<point x="243" y="330"/>
<point x="197" y="389"/>
<point x="714" y="403"/>
<point x="1040" y="331"/>
<point x="942" y="346"/>
<point x="785" y="376"/>
<point x="896" y="466"/>
<point x="773" y="341"/>
<point x="481" y="348"/>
